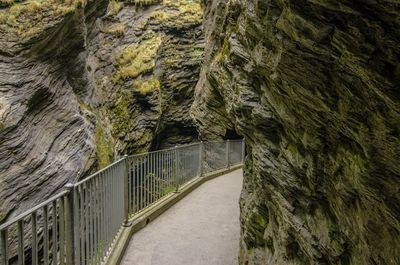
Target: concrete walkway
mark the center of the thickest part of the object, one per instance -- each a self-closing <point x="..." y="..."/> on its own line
<point x="201" y="229"/>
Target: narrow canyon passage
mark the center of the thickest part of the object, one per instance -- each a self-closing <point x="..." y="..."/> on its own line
<point x="201" y="229"/>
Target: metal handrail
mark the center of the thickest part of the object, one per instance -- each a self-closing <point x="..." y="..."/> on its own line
<point x="34" y="209"/>
<point x="80" y="225"/>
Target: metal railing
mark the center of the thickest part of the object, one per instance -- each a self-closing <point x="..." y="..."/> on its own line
<point x="81" y="224"/>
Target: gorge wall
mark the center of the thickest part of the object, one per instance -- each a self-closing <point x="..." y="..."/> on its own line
<point x="82" y="82"/>
<point x="313" y="86"/>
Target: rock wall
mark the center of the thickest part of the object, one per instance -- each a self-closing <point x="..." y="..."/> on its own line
<point x="82" y="82"/>
<point x="313" y="86"/>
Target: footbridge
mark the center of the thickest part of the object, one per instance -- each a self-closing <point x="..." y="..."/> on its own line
<point x="110" y="217"/>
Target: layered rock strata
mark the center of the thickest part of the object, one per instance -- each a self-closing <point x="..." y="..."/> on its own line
<point x="313" y="86"/>
<point x="83" y="82"/>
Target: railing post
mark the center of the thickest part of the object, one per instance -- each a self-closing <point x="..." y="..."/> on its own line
<point x="4" y="247"/>
<point x="176" y="169"/>
<point x="227" y="154"/>
<point x="126" y="190"/>
<point x="69" y="225"/>
<point x="201" y="158"/>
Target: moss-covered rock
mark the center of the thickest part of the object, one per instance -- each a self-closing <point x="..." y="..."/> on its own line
<point x="137" y="59"/>
<point x="312" y="87"/>
<point x="104" y="148"/>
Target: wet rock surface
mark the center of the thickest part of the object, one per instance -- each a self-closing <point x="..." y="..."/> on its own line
<point x="84" y="82"/>
<point x="314" y="88"/>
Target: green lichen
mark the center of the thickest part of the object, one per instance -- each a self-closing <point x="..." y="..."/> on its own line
<point x="144" y="87"/>
<point x="116" y="29"/>
<point x="122" y="116"/>
<point x="104" y="147"/>
<point x="197" y="53"/>
<point x="137" y="59"/>
<point x="32" y="17"/>
<point x="143" y="141"/>
<point x="114" y="6"/>
<point x="181" y="12"/>
<point x="143" y="2"/>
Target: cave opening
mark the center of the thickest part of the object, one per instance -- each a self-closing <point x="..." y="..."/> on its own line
<point x="231" y="134"/>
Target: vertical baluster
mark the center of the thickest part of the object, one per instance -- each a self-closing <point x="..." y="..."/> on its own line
<point x="151" y="164"/>
<point x="70" y="250"/>
<point x="126" y="189"/>
<point x="112" y="182"/>
<point x="82" y="223"/>
<point x="146" y="181"/>
<point x="129" y="188"/>
<point x="137" y="170"/>
<point x="96" y="214"/>
<point x="96" y="219"/>
<point x="158" y="174"/>
<point x="109" y="210"/>
<point x="21" y="252"/>
<point x="168" y="167"/>
<point x="115" y="200"/>
<point x="134" y="185"/>
<point x="112" y="196"/>
<point x="54" y="233"/>
<point x="150" y="157"/>
<point x="154" y="177"/>
<point x="101" y="217"/>
<point x="171" y="169"/>
<point x="35" y="260"/>
<point x="45" y="236"/>
<point x="123" y="213"/>
<point x="62" y="231"/>
<point x="4" y="246"/>
<point x="87" y="217"/>
<point x="90" y="204"/>
<point x="141" y="182"/>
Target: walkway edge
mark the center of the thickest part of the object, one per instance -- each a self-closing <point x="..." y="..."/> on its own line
<point x="140" y="220"/>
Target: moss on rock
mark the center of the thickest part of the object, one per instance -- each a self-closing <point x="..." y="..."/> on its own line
<point x="122" y="116"/>
<point x="147" y="86"/>
<point x="137" y="59"/>
<point x="104" y="147"/>
<point x="32" y="17"/>
<point x="180" y="12"/>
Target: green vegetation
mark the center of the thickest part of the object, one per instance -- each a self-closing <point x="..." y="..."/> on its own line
<point x="183" y="12"/>
<point x="114" y="7"/>
<point x="122" y="116"/>
<point x="104" y="148"/>
<point x="6" y="3"/>
<point x="138" y="59"/>
<point x="166" y="188"/>
<point x="116" y="29"/>
<point x="31" y="17"/>
<point x="145" y="87"/>
<point x="143" y="2"/>
<point x="197" y="53"/>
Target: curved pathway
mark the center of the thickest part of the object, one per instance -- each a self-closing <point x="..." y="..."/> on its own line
<point x="201" y="229"/>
